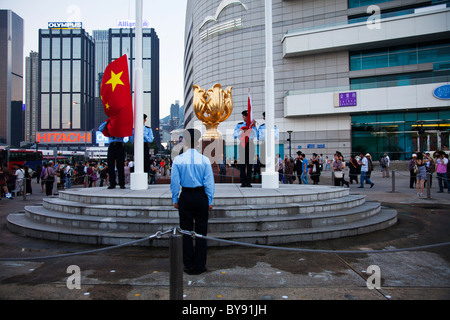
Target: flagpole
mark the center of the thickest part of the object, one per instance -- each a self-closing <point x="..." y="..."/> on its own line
<point x="269" y="178"/>
<point x="139" y="178"/>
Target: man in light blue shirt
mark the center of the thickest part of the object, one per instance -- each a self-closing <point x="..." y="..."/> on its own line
<point x="192" y="173"/>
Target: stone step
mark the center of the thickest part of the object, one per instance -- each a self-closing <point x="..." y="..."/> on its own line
<point x="226" y="194"/>
<point x="219" y="211"/>
<point x="20" y="224"/>
<point x="237" y="224"/>
<point x="384" y="219"/>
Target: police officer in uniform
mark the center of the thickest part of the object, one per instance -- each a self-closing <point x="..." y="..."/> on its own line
<point x="247" y="153"/>
<point x="115" y="158"/>
<point x="192" y="173"/>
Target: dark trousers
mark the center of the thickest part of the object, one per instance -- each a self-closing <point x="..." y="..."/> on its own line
<point x="193" y="212"/>
<point x="49" y="186"/>
<point x="246" y="155"/>
<point x="116" y="158"/>
<point x="146" y="158"/>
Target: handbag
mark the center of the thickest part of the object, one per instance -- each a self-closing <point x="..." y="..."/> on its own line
<point x="338" y="174"/>
<point x="416" y="168"/>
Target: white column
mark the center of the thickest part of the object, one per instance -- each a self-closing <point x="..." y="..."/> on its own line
<point x="270" y="176"/>
<point x="138" y="179"/>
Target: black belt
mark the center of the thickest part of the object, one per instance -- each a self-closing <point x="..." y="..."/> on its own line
<point x="197" y="189"/>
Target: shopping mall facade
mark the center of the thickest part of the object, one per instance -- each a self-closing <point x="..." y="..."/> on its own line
<point x="350" y="75"/>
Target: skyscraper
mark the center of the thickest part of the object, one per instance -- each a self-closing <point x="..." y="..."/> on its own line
<point x="121" y="41"/>
<point x="67" y="80"/>
<point x="31" y="96"/>
<point x="11" y="78"/>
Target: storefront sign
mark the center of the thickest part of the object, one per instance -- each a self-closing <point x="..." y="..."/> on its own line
<point x="63" y="137"/>
<point x="345" y="99"/>
<point x="442" y="92"/>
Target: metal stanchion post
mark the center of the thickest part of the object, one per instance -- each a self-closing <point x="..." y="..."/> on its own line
<point x="176" y="265"/>
<point x="428" y="185"/>
<point x="393" y="180"/>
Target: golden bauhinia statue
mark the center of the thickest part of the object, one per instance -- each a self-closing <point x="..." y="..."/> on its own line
<point x="212" y="107"/>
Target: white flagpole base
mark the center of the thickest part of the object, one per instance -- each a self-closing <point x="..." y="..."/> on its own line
<point x="139" y="181"/>
<point x="269" y="180"/>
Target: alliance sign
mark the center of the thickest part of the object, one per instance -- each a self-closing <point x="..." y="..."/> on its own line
<point x="63" y="137"/>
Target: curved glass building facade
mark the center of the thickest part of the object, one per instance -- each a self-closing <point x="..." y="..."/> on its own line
<point x="349" y="75"/>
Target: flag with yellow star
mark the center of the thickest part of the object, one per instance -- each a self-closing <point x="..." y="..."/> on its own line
<point x="115" y="93"/>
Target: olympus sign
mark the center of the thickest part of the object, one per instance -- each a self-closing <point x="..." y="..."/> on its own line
<point x="65" y="25"/>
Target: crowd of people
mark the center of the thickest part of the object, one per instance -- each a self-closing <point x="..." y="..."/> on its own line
<point x="291" y="170"/>
<point x="422" y="166"/>
<point x="88" y="174"/>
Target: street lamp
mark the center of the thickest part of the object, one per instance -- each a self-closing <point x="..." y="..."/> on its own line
<point x="289" y="139"/>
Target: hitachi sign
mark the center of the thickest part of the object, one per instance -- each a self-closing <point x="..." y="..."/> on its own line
<point x="63" y="137"/>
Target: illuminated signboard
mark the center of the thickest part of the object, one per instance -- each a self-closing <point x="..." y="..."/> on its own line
<point x="65" y="25"/>
<point x="63" y="137"/>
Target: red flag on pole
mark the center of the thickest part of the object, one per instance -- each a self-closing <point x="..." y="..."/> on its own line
<point x="248" y="128"/>
<point x="249" y="111"/>
<point x="116" y="97"/>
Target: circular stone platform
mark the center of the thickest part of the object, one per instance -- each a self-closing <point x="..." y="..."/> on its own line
<point x="291" y="213"/>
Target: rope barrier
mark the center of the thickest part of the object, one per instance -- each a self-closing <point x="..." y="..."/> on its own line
<point x="194" y="235"/>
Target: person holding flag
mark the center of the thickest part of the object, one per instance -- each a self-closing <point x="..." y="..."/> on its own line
<point x="245" y="132"/>
<point x="115" y="93"/>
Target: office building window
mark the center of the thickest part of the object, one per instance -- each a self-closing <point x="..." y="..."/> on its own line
<point x="361" y="3"/>
<point x="401" y="56"/>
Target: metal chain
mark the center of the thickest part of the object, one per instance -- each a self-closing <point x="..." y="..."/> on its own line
<point x="194" y="235"/>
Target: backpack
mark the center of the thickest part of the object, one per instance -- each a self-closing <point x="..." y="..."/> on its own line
<point x="383" y="162"/>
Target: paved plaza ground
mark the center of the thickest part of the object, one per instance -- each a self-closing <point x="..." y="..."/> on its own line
<point x="244" y="273"/>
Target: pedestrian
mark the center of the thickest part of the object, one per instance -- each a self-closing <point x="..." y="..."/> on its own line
<point x="3" y="182"/>
<point x="153" y="170"/>
<point x="384" y="163"/>
<point x="289" y="170"/>
<point x="20" y="175"/>
<point x="441" y="171"/>
<point x="298" y="167"/>
<point x="49" y="178"/>
<point x="337" y="170"/>
<point x="421" y="175"/>
<point x="343" y="181"/>
<point x="412" y="172"/>
<point x="38" y="174"/>
<point x="192" y="173"/>
<point x="314" y="170"/>
<point x="354" y="169"/>
<point x="115" y="157"/>
<point x="27" y="176"/>
<point x="127" y="172"/>
<point x="365" y="169"/>
<point x="304" y="174"/>
<point x="222" y="166"/>
<point x="68" y="173"/>
<point x="245" y="135"/>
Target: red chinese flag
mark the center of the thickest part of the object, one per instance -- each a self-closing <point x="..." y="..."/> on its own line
<point x="116" y="97"/>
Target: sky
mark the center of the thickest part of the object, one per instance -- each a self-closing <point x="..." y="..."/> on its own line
<point x="166" y="17"/>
